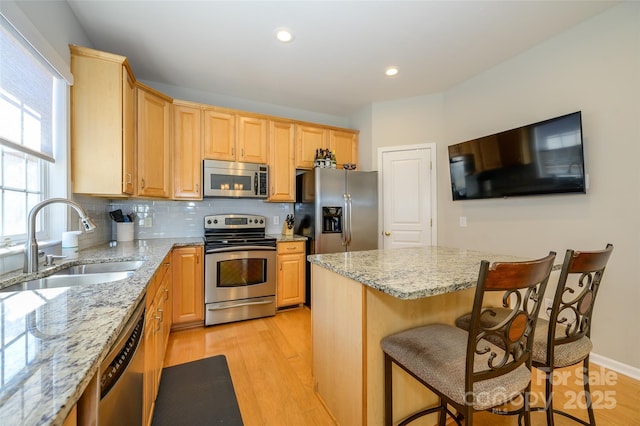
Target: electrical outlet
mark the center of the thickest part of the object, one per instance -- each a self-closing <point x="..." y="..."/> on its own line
<point x="148" y="222"/>
<point x="463" y="221"/>
<point x="276" y="220"/>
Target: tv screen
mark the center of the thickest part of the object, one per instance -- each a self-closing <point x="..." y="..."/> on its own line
<point x="541" y="158"/>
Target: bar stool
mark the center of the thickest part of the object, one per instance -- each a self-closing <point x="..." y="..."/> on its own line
<point x="567" y="343"/>
<point x="464" y="369"/>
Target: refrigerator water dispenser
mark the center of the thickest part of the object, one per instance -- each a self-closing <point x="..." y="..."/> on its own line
<point x="331" y="220"/>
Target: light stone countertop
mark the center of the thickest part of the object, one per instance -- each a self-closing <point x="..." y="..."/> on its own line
<point x="55" y="339"/>
<point x="411" y="273"/>
<point x="286" y="238"/>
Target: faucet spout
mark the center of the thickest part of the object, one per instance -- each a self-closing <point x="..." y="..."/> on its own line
<point x="31" y="246"/>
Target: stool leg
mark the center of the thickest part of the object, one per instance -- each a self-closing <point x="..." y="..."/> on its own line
<point x="548" y="392"/>
<point x="587" y="391"/>
<point x="388" y="393"/>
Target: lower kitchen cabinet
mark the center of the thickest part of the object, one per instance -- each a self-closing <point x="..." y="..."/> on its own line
<point x="157" y="328"/>
<point x="188" y="287"/>
<point x="291" y="273"/>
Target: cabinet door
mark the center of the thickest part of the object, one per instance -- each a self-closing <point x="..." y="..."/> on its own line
<point x="308" y="140"/>
<point x="188" y="288"/>
<point x="291" y="273"/>
<point x="150" y="357"/>
<point x="252" y="140"/>
<point x="128" y="133"/>
<point x="219" y="135"/>
<point x="187" y="155"/>
<point x="153" y="144"/>
<point x="345" y="146"/>
<point x="282" y="172"/>
<point x="102" y="124"/>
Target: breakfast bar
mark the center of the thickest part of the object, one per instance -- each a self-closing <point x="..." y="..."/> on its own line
<point x="360" y="297"/>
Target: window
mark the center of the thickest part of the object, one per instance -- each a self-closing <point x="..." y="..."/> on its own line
<point x="30" y="98"/>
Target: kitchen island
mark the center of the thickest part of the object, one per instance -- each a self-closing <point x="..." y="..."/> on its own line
<point x="360" y="297"/>
<point x="55" y="339"/>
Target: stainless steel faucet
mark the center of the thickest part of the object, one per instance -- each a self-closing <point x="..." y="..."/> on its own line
<point x="31" y="246"/>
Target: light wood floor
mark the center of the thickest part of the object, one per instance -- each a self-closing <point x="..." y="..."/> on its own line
<point x="270" y="364"/>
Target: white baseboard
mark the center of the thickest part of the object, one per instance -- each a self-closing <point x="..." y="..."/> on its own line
<point x="616" y="366"/>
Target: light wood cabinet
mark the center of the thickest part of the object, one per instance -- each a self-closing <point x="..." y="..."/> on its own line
<point x="291" y="273"/>
<point x="156" y="335"/>
<point x="219" y="138"/>
<point x="187" y="151"/>
<point x="282" y="172"/>
<point x="230" y="136"/>
<point x="308" y="140"/>
<point x="345" y="146"/>
<point x="188" y="287"/>
<point x="154" y="139"/>
<point x="252" y="139"/>
<point x="102" y="124"/>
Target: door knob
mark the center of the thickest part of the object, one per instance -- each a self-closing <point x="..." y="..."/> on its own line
<point x="387" y="233"/>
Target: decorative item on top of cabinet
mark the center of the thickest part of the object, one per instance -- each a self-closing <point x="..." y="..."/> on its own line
<point x="154" y="139"/>
<point x="282" y="172"/>
<point x="187" y="151"/>
<point x="102" y="124"/>
<point x="188" y="288"/>
<point x="291" y="273"/>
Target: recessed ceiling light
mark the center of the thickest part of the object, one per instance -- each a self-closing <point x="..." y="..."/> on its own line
<point x="284" y="35"/>
<point x="391" y="71"/>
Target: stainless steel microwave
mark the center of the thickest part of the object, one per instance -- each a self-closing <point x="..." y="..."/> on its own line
<point x="235" y="180"/>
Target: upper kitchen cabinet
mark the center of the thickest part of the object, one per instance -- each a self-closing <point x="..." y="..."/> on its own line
<point x="229" y="136"/>
<point x="219" y="138"/>
<point x="187" y="151"/>
<point x="308" y="140"/>
<point x="282" y="172"/>
<point x="154" y="139"/>
<point x="345" y="146"/>
<point x="252" y="139"/>
<point x="102" y="124"/>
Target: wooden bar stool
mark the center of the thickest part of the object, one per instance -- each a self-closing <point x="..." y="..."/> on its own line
<point x="567" y="343"/>
<point x="464" y="369"/>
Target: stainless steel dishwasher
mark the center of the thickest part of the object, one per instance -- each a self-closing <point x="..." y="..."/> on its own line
<point x="121" y="376"/>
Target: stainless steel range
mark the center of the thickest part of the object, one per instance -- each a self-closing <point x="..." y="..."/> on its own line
<point x="240" y="268"/>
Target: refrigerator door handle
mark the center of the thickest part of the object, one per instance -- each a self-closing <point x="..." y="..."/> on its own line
<point x="344" y="221"/>
<point x="349" y="212"/>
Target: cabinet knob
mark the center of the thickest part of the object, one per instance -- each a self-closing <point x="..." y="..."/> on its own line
<point x="387" y="233"/>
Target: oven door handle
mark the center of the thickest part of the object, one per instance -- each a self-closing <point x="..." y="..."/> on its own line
<point x="240" y="248"/>
<point x="264" y="302"/>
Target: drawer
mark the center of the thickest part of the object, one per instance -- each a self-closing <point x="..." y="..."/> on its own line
<point x="291" y="247"/>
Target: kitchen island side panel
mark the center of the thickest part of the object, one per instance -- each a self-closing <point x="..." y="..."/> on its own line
<point x="337" y="321"/>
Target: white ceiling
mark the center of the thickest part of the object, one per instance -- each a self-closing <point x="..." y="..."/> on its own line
<point x="335" y="64"/>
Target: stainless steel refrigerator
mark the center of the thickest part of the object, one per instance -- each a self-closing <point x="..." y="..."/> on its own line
<point x="337" y="210"/>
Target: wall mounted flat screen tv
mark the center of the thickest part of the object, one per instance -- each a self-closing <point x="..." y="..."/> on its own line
<point x="540" y="158"/>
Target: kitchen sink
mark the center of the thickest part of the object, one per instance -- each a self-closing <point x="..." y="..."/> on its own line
<point x="57" y="281"/>
<point x="100" y="268"/>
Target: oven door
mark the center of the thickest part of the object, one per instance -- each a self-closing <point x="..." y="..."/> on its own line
<point x="239" y="273"/>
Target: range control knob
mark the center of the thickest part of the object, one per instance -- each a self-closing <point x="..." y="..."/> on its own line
<point x="215" y="221"/>
<point x="208" y="221"/>
<point x="261" y="221"/>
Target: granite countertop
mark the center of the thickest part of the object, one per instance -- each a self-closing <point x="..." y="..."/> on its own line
<point x="411" y="273"/>
<point x="54" y="340"/>
<point x="286" y="238"/>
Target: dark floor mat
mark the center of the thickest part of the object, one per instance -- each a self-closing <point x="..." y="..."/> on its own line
<point x="197" y="393"/>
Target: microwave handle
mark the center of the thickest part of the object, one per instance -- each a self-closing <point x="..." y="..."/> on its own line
<point x="255" y="184"/>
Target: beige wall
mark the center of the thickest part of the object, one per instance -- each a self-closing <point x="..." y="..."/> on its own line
<point x="595" y="68"/>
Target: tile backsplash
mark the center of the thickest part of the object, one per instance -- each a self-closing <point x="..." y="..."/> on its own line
<point x="170" y="219"/>
<point x="155" y="219"/>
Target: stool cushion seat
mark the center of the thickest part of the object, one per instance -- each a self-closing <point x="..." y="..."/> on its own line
<point x="437" y="355"/>
<point x="564" y="354"/>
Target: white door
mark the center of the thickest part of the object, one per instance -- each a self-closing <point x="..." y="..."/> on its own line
<point x="408" y="196"/>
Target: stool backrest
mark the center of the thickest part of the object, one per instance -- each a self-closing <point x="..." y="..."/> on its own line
<point x="575" y="295"/>
<point x="522" y="285"/>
